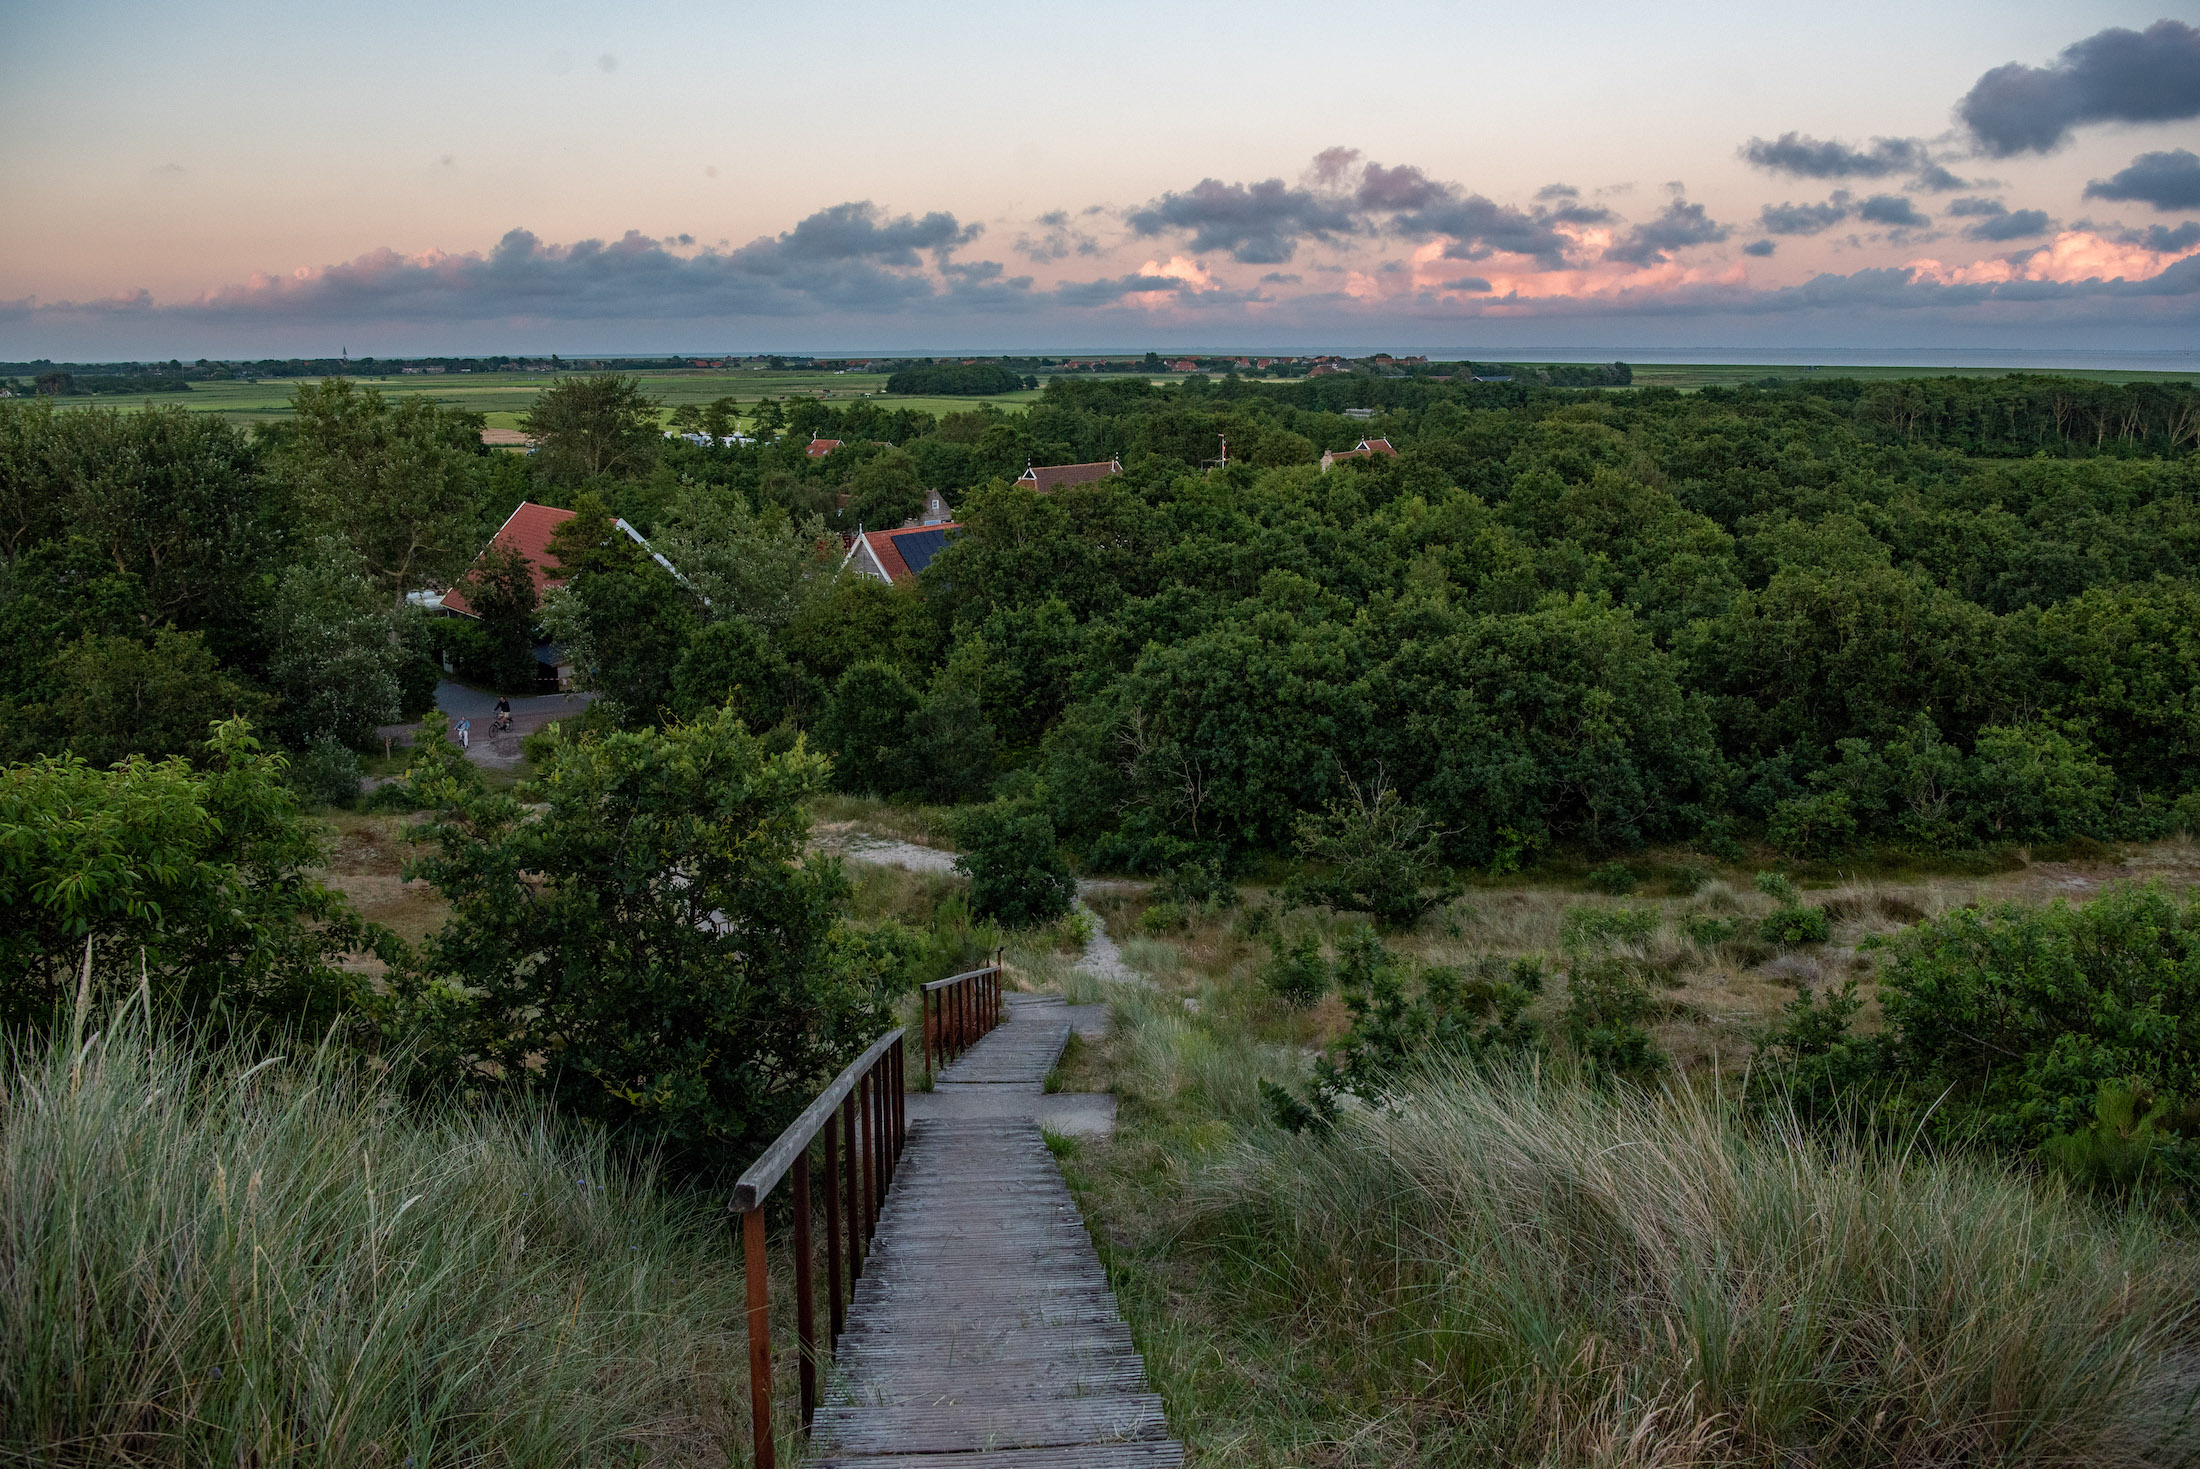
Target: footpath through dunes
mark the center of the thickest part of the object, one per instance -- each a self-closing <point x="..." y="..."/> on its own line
<point x="982" y="1334"/>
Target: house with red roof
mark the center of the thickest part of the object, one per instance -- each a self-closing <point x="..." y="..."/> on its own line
<point x="1367" y="449"/>
<point x="896" y="556"/>
<point x="528" y="530"/>
<point x="819" y="448"/>
<point x="1048" y="478"/>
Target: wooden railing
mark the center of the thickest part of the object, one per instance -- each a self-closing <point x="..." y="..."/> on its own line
<point x="958" y="1011"/>
<point x="865" y="1106"/>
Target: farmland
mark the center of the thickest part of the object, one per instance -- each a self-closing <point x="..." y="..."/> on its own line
<point x="503" y="398"/>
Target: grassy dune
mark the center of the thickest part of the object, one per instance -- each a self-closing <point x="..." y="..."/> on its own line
<point x="205" y="1260"/>
<point x="1520" y="1269"/>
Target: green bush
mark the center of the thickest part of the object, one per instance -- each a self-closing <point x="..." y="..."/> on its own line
<point x="1616" y="878"/>
<point x="326" y="773"/>
<point x="196" y="875"/>
<point x="1014" y="864"/>
<point x="1606" y="1005"/>
<point x="1296" y="973"/>
<point x="1403" y="1014"/>
<point x="1161" y="918"/>
<point x="1709" y="930"/>
<point x="1793" y="923"/>
<point x="1592" y="929"/>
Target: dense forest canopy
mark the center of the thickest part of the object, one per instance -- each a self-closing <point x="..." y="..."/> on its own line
<point x="1930" y="613"/>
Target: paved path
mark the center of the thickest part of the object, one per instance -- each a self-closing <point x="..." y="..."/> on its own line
<point x="983" y="1334"/>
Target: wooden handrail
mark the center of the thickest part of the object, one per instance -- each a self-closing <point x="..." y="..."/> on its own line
<point x="866" y="1105"/>
<point x="958" y="1011"/>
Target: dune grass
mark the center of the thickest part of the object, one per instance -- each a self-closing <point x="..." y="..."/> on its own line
<point x="204" y="1259"/>
<point x="1516" y="1268"/>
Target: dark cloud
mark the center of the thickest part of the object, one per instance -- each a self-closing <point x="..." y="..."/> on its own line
<point x="1392" y="189"/>
<point x="1550" y="192"/>
<point x="1259" y="224"/>
<point x="1971" y="208"/>
<point x="1824" y="158"/>
<point x="1582" y="214"/>
<point x="1470" y="283"/>
<point x="2172" y="241"/>
<point x="2165" y="180"/>
<point x="2115" y="75"/>
<point x="1057" y="239"/>
<point x="853" y="257"/>
<point x="1891" y="210"/>
<point x="2020" y="224"/>
<point x="864" y="232"/>
<point x="1479" y="228"/>
<point x="1805" y="219"/>
<point x="1759" y="247"/>
<point x="1934" y="179"/>
<point x="1264" y="223"/>
<point x="1681" y="225"/>
<point x="1279" y="278"/>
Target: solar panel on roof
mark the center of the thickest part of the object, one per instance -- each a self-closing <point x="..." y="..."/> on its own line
<point x="918" y="547"/>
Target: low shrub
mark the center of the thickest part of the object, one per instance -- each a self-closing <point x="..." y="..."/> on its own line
<point x="1616" y="878"/>
<point x="325" y="773"/>
<point x="1015" y="867"/>
<point x="1793" y="923"/>
<point x="1296" y="973"/>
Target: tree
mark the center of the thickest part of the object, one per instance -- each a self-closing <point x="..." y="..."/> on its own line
<point x="1015" y="867"/>
<point x="395" y="478"/>
<point x="335" y="662"/>
<point x="867" y="730"/>
<point x="720" y="418"/>
<point x="192" y="878"/>
<point x="502" y="591"/>
<point x="1376" y="855"/>
<point x="884" y="492"/>
<point x="589" y="426"/>
<point x="654" y="949"/>
<point x="768" y="417"/>
<point x="625" y="632"/>
<point x="756" y="565"/>
<point x="113" y="697"/>
<point x="731" y="665"/>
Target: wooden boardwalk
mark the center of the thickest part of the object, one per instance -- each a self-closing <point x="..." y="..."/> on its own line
<point x="983" y="1334"/>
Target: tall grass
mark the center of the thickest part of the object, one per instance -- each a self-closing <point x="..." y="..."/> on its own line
<point x="1522" y="1270"/>
<point x="207" y="1260"/>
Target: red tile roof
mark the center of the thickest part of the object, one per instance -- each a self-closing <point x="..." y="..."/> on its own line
<point x="527" y="530"/>
<point x="819" y="448"/>
<point x="885" y="550"/>
<point x="1054" y="476"/>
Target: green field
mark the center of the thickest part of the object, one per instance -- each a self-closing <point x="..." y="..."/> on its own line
<point x="503" y="398"/>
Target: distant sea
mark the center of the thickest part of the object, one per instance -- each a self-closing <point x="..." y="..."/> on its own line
<point x="2108" y="360"/>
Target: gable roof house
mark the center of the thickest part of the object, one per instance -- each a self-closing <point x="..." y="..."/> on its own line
<point x="1366" y="449"/>
<point x="1048" y="478"/>
<point x="819" y="448"/>
<point x="528" y="530"/>
<point x="896" y="556"/>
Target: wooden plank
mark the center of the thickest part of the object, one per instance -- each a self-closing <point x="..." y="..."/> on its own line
<point x="983" y="1334"/>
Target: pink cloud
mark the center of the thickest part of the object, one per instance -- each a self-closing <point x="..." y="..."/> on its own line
<point x="2075" y="255"/>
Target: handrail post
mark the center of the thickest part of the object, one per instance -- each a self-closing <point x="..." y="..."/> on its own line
<point x="832" y="1224"/>
<point x="854" y="1187"/>
<point x="805" y="1295"/>
<point x="760" y="1340"/>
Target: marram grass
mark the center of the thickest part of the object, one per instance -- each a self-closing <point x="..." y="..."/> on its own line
<point x="1521" y="1270"/>
<point x="206" y="1259"/>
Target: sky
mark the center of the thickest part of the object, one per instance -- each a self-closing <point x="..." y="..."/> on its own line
<point x="249" y="180"/>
